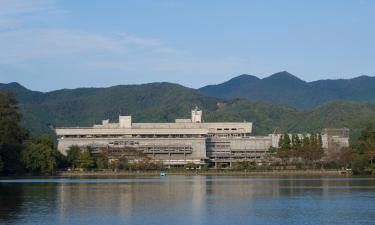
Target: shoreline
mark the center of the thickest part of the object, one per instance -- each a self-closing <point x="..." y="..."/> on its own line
<point x="204" y="173"/>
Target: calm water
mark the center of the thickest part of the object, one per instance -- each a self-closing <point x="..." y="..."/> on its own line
<point x="188" y="200"/>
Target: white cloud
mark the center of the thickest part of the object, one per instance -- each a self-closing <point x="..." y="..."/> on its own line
<point x="41" y="51"/>
<point x="14" y="13"/>
<point x="29" y="44"/>
<point x="139" y="41"/>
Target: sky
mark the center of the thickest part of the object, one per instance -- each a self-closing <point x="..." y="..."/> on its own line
<point x="52" y="44"/>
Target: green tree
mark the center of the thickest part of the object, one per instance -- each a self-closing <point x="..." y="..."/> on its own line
<point x="40" y="155"/>
<point x="305" y="140"/>
<point x="190" y="165"/>
<point x="84" y="161"/>
<point x="73" y="154"/>
<point x="101" y="163"/>
<point x="366" y="143"/>
<point x="12" y="134"/>
<point x="287" y="142"/>
<point x="359" y="164"/>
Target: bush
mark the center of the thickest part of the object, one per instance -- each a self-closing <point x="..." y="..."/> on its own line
<point x="244" y="166"/>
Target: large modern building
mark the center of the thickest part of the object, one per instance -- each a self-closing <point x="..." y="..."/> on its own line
<point x="175" y="144"/>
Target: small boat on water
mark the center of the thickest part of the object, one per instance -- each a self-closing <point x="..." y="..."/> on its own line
<point x="163" y="174"/>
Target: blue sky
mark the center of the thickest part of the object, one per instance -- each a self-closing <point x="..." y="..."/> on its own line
<point x="53" y="44"/>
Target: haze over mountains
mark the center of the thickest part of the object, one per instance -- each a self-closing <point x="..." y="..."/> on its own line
<point x="161" y="102"/>
<point x="284" y="87"/>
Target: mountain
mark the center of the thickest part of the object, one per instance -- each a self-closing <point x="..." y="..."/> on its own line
<point x="162" y="102"/>
<point x="286" y="88"/>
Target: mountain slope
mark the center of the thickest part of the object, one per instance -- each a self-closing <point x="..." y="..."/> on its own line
<point x="283" y="87"/>
<point x="162" y="102"/>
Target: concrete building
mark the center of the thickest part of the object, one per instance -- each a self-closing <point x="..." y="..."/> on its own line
<point x="172" y="143"/>
<point x="184" y="141"/>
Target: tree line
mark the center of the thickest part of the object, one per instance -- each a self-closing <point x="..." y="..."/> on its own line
<point x="306" y="149"/>
<point x="359" y="157"/>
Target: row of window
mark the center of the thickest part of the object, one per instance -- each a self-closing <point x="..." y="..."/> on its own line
<point x="226" y="129"/>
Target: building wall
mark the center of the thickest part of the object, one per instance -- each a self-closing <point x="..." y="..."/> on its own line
<point x="190" y="149"/>
<point x="238" y="149"/>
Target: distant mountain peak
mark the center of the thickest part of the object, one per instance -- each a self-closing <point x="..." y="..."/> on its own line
<point x="283" y="75"/>
<point x="284" y="87"/>
<point x="12" y="86"/>
<point x="245" y="77"/>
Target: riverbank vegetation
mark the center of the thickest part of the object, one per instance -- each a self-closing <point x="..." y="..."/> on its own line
<point x="307" y="153"/>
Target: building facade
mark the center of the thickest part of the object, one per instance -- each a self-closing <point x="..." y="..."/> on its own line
<point x="176" y="143"/>
<point x="184" y="141"/>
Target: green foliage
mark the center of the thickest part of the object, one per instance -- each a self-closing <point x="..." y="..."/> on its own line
<point x="78" y="158"/>
<point x="190" y="166"/>
<point x="204" y="167"/>
<point x="366" y="142"/>
<point x="40" y="155"/>
<point x="359" y="164"/>
<point x="121" y="164"/>
<point x="73" y="154"/>
<point x="309" y="150"/>
<point x="305" y="140"/>
<point x="84" y="161"/>
<point x="286" y="145"/>
<point x="244" y="166"/>
<point x="363" y="158"/>
<point x="12" y="134"/>
<point x="101" y="163"/>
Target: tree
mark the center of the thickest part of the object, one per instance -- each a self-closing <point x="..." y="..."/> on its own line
<point x="305" y="140"/>
<point x="345" y="157"/>
<point x="73" y="154"/>
<point x="359" y="164"/>
<point x="12" y="134"/>
<point x="84" y="160"/>
<point x="190" y="165"/>
<point x="286" y="145"/>
<point x="366" y="142"/>
<point x="40" y="155"/>
<point x="101" y="163"/>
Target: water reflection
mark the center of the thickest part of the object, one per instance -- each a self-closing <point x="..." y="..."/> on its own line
<point x="187" y="200"/>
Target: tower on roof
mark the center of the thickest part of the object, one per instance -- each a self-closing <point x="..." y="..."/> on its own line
<point x="196" y="115"/>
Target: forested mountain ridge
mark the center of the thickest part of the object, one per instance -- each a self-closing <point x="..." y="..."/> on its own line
<point x="162" y="102"/>
<point x="284" y="87"/>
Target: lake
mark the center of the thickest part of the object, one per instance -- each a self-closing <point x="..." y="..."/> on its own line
<point x="188" y="200"/>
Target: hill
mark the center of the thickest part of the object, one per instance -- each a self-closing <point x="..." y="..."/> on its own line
<point x="162" y="102"/>
<point x="286" y="88"/>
